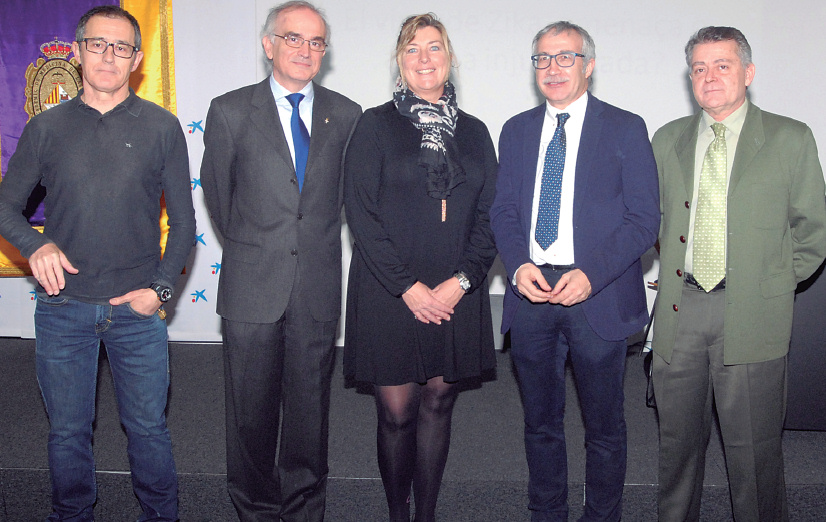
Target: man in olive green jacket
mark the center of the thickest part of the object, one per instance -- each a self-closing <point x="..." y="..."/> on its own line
<point x="723" y="340"/>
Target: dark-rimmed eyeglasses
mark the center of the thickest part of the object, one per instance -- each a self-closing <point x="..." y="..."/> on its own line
<point x="99" y="46"/>
<point x="293" y="40"/>
<point x="543" y="60"/>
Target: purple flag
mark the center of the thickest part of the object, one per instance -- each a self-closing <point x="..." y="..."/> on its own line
<point x="32" y="30"/>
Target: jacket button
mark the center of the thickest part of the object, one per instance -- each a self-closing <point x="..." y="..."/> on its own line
<point x="300" y="215"/>
<point x="687" y="205"/>
<point x="675" y="308"/>
<point x="679" y="272"/>
<point x="293" y="252"/>
<point x="293" y="181"/>
<point x="682" y="239"/>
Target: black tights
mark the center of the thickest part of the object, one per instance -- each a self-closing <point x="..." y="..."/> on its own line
<point x="413" y="439"/>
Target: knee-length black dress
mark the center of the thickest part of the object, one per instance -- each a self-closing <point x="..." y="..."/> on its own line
<point x="400" y="238"/>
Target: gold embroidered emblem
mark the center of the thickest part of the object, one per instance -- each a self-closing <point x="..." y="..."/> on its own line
<point x="52" y="81"/>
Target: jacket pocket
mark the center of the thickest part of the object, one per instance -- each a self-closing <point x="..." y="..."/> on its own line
<point x="778" y="284"/>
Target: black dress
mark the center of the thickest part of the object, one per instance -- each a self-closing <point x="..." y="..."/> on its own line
<point x="399" y="238"/>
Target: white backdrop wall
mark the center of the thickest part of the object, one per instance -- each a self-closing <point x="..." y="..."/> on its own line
<point x="640" y="67"/>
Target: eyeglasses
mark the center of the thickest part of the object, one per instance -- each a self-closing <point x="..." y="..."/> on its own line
<point x="293" y="40"/>
<point x="99" y="46"/>
<point x="543" y="60"/>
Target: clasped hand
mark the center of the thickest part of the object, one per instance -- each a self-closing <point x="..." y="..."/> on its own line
<point x="433" y="305"/>
<point x="573" y="287"/>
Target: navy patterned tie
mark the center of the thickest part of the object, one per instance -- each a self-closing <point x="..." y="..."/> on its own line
<point x="301" y="139"/>
<point x="547" y="218"/>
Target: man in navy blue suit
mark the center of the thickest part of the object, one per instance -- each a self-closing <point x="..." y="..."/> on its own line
<point x="577" y="204"/>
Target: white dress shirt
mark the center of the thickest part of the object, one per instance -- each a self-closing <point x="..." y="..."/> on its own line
<point x="285" y="110"/>
<point x="561" y="251"/>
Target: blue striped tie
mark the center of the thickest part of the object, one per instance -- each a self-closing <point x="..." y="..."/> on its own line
<point x="547" y="218"/>
<point x="301" y="139"/>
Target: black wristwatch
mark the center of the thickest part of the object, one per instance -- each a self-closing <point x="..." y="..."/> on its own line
<point x="164" y="292"/>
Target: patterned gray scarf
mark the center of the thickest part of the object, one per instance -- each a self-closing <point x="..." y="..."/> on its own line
<point x="437" y="121"/>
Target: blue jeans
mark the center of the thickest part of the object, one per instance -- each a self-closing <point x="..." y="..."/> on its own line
<point x="69" y="334"/>
<point x="542" y="338"/>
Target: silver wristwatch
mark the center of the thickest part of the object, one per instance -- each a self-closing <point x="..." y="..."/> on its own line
<point x="464" y="282"/>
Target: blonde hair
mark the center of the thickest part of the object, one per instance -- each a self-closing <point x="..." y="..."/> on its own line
<point x="408" y="32"/>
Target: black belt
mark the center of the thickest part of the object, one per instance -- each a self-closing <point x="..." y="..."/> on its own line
<point x="548" y="266"/>
<point x="690" y="281"/>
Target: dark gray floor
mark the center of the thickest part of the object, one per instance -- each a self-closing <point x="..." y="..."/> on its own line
<point x="485" y="478"/>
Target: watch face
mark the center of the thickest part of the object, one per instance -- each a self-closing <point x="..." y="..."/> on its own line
<point x="164" y="292"/>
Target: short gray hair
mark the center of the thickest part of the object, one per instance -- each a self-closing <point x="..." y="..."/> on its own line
<point x="108" y="11"/>
<point x="719" y="34"/>
<point x="588" y="47"/>
<point x="269" y="24"/>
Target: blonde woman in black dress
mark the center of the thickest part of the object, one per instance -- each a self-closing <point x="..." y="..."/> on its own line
<point x="419" y="181"/>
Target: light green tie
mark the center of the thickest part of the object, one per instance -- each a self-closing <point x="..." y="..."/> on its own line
<point x="709" y="255"/>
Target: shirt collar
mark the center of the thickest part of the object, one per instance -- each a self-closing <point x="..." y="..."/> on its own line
<point x="130" y="104"/>
<point x="733" y="122"/>
<point x="280" y="93"/>
<point x="576" y="109"/>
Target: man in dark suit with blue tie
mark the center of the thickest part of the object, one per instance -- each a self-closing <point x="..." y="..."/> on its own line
<point x="576" y="206"/>
<point x="272" y="182"/>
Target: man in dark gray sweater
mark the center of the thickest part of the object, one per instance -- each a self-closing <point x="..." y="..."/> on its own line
<point x="104" y="158"/>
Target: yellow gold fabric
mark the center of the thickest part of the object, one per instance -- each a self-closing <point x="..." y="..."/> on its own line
<point x="155" y="78"/>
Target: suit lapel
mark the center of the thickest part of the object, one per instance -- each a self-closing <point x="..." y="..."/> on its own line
<point x="586" y="155"/>
<point x="265" y="117"/>
<point x="530" y="151"/>
<point x="751" y="140"/>
<point x="322" y="118"/>
<point x="686" y="148"/>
